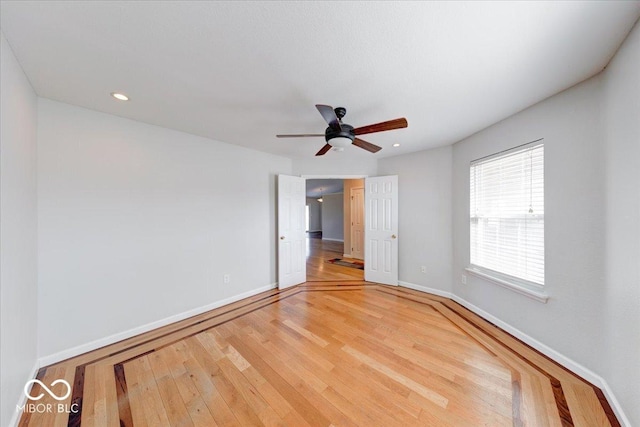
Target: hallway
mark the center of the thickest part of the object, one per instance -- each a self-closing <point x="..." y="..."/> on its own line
<point x="319" y="270"/>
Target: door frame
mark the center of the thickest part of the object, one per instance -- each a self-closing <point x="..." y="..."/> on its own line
<point x="364" y="206"/>
<point x="339" y="176"/>
<point x="334" y="176"/>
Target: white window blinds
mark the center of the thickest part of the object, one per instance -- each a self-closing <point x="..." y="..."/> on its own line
<point x="507" y="213"/>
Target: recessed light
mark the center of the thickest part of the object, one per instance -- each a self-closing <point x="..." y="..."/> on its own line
<point x="396" y="145"/>
<point x="120" y="96"/>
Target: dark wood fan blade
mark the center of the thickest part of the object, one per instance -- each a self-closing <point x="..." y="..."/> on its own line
<point x="323" y="150"/>
<point x="381" y="127"/>
<point x="366" y="145"/>
<point x="300" y="135"/>
<point x="329" y="116"/>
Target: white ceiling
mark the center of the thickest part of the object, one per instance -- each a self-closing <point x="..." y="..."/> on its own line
<point x="319" y="187"/>
<point x="241" y="72"/>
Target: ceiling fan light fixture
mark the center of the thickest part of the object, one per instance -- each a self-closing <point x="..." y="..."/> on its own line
<point x="339" y="142"/>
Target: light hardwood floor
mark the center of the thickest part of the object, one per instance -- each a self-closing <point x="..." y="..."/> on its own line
<point x="318" y="269"/>
<point x="346" y="353"/>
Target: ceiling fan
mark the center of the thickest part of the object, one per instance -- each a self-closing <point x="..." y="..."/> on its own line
<point x="340" y="135"/>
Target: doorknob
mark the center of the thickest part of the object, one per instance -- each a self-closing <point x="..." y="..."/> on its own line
<point x="393" y="236"/>
<point x="281" y="237"/>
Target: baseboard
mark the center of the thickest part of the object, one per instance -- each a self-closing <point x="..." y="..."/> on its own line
<point x="333" y="240"/>
<point x="615" y="405"/>
<point x="15" y="419"/>
<point x="112" y="339"/>
<point x="426" y="289"/>
<point x="568" y="363"/>
<point x="563" y="360"/>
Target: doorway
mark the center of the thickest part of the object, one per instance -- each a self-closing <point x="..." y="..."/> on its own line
<point x="381" y="230"/>
<point x="330" y="233"/>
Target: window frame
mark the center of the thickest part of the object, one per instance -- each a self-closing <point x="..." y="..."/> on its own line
<point x="520" y="285"/>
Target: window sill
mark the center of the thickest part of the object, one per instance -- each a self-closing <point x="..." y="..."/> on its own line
<point x="530" y="293"/>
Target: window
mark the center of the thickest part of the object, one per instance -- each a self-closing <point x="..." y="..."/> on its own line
<point x="507" y="215"/>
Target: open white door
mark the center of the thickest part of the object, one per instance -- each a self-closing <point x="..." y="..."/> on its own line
<point x="381" y="230"/>
<point x="292" y="266"/>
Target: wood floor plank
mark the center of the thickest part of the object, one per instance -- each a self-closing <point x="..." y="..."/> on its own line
<point x="193" y="400"/>
<point x="225" y="404"/>
<point x="387" y="406"/>
<point x="135" y="393"/>
<point x="306" y="333"/>
<point x="105" y="403"/>
<point x="177" y="413"/>
<point x="306" y="409"/>
<point x="122" y="396"/>
<point x="154" y="408"/>
<point x="591" y="413"/>
<point x="90" y="395"/>
<point x="423" y="391"/>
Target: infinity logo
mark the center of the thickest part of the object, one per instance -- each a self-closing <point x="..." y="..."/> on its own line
<point x="52" y="394"/>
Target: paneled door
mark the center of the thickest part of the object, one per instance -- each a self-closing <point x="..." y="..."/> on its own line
<point x="292" y="267"/>
<point x="381" y="230"/>
<point x="357" y="223"/>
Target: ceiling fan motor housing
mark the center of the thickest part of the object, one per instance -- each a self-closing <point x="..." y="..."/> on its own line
<point x="346" y="132"/>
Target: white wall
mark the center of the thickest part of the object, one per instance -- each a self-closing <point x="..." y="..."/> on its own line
<point x="337" y="164"/>
<point x="424" y="185"/>
<point x="138" y="223"/>
<point x="333" y="217"/>
<point x="315" y="214"/>
<point x="18" y="233"/>
<point x="621" y="302"/>
<point x="592" y="250"/>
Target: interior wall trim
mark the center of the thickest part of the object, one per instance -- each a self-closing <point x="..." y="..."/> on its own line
<point x="433" y="291"/>
<point x="112" y="339"/>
